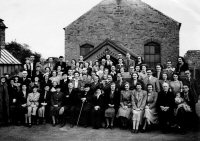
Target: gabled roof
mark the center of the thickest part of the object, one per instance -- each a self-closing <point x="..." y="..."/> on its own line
<point x="128" y="3"/>
<point x="113" y="44"/>
<point x="7" y="58"/>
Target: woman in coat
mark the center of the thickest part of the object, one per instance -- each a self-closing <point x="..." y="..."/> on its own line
<point x="138" y="100"/>
<point x="176" y="85"/>
<point x="32" y="104"/>
<point x="57" y="98"/>
<point x="4" y="102"/>
<point x="125" y="105"/>
<point x="23" y="94"/>
<point x="97" y="108"/>
<point x="112" y="104"/>
<point x="150" y="113"/>
<point x="44" y="104"/>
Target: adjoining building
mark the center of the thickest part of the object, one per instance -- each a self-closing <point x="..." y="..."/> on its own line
<point x="8" y="63"/>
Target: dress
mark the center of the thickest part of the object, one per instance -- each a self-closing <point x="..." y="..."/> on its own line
<point x="176" y="86"/>
<point x="138" y="100"/>
<point x="150" y="110"/>
<point x="33" y="103"/>
<point x="125" y="100"/>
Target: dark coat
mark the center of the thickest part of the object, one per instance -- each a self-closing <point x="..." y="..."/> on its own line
<point x="166" y="99"/>
<point x="57" y="99"/>
<point x="62" y="64"/>
<point x="46" y="99"/>
<point x="115" y="100"/>
<point x="64" y="86"/>
<point x="71" y="99"/>
<point x="193" y="86"/>
<point x="4" y="102"/>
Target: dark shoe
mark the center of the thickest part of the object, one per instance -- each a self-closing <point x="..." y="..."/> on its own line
<point x="133" y="131"/>
<point x="111" y="126"/>
<point x="62" y="125"/>
<point x="72" y="125"/>
<point x="142" y="130"/>
<point x="136" y="131"/>
<point x="29" y="125"/>
<point x="107" y="126"/>
<point x="54" y="124"/>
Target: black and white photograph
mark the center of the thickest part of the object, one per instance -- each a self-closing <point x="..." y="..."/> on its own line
<point x="99" y="70"/>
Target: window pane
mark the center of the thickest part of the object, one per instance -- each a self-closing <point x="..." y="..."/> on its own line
<point x="146" y="58"/>
<point x="152" y="58"/>
<point x="152" y="50"/>
<point x="146" y="50"/>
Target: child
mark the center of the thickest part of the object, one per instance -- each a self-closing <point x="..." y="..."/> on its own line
<point x="181" y="104"/>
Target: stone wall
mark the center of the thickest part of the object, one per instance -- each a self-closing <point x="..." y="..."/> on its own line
<point x="132" y="23"/>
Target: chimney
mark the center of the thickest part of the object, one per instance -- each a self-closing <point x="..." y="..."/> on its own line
<point x="2" y="35"/>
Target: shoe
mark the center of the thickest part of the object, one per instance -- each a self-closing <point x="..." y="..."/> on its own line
<point x="62" y="125"/>
<point x="72" y="125"/>
<point x="133" y="131"/>
<point x="29" y="125"/>
<point x="142" y="130"/>
<point x="111" y="126"/>
<point x="107" y="127"/>
<point x="136" y="131"/>
<point x="54" y="124"/>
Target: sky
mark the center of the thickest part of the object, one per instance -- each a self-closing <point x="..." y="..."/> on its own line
<point x="40" y="23"/>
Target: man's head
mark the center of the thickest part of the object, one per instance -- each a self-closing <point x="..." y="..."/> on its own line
<point x="188" y="73"/>
<point x="24" y="74"/>
<point x="165" y="87"/>
<point x="185" y="88"/>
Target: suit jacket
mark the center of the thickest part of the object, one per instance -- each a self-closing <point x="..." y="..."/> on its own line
<point x="23" y="98"/>
<point x="194" y="89"/>
<point x="80" y="84"/>
<point x="129" y="63"/>
<point x="154" y="81"/>
<point x="166" y="99"/>
<point x="98" y="101"/>
<point x="64" y="86"/>
<point x="62" y="64"/>
<point x="118" y="67"/>
<point x="57" y="99"/>
<point x="51" y="65"/>
<point x="71" y="98"/>
<point x="139" y="101"/>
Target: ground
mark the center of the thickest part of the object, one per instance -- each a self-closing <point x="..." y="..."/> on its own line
<point x="49" y="133"/>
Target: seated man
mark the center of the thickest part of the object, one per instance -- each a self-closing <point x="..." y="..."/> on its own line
<point x="165" y="103"/>
<point x="56" y="104"/>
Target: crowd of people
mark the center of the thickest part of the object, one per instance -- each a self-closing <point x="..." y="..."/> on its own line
<point x="101" y="94"/>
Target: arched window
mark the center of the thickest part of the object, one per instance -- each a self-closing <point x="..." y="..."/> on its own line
<point x="85" y="49"/>
<point x="152" y="54"/>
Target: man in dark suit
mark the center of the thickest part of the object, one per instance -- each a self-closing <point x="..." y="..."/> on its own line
<point x="61" y="63"/>
<point x="64" y="83"/>
<point x="86" y="97"/>
<point x="166" y="104"/>
<point x="128" y="62"/>
<point x="25" y="80"/>
<point x="192" y="83"/>
<point x="69" y="105"/>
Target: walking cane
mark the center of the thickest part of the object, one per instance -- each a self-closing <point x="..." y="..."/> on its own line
<point x="80" y="113"/>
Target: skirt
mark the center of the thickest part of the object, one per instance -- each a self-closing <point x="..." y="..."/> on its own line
<point x="110" y="113"/>
<point x="151" y="115"/>
<point x="55" y="111"/>
<point x="124" y="112"/>
<point x="137" y="115"/>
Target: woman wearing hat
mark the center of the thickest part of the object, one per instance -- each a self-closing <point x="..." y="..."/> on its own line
<point x="97" y="108"/>
<point x="33" y="103"/>
<point x="4" y="102"/>
<point x="57" y="108"/>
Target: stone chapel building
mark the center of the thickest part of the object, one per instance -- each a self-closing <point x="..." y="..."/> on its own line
<point x="119" y="26"/>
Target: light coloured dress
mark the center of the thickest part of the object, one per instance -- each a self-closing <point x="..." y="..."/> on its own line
<point x="176" y="86"/>
<point x="139" y="99"/>
<point x="150" y="109"/>
<point x="33" y="103"/>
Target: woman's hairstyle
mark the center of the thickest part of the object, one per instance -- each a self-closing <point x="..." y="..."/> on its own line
<point x="149" y="85"/>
